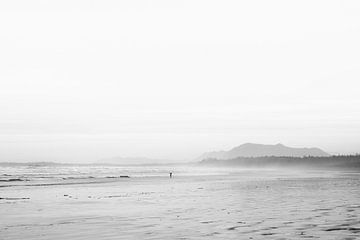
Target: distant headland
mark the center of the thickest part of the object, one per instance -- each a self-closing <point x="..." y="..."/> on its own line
<point x="262" y="150"/>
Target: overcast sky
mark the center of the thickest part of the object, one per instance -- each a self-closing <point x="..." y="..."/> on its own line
<point x="83" y="80"/>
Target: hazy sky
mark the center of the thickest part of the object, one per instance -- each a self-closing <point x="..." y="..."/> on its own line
<point x="83" y="80"/>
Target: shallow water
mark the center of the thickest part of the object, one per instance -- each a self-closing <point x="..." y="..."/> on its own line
<point x="40" y="175"/>
<point x="227" y="204"/>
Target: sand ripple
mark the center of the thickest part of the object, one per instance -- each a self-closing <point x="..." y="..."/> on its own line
<point x="203" y="207"/>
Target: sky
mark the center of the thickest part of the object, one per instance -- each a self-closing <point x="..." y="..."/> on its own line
<point x="86" y="80"/>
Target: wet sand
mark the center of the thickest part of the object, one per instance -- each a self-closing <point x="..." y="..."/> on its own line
<point x="243" y="205"/>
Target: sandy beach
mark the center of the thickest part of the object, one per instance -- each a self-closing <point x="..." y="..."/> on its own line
<point x="246" y="204"/>
<point x="179" y="120"/>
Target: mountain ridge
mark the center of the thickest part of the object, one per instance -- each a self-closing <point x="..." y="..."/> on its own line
<point x="262" y="150"/>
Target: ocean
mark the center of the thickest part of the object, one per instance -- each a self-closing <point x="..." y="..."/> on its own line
<point x="142" y="202"/>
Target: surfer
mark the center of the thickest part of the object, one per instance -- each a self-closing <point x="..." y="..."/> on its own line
<point x="170" y="174"/>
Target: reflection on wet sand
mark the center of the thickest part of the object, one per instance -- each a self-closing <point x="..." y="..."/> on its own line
<point x="248" y="205"/>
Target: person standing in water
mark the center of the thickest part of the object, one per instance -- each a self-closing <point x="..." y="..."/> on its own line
<point x="170" y="174"/>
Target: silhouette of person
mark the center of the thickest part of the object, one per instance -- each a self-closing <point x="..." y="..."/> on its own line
<point x="170" y="174"/>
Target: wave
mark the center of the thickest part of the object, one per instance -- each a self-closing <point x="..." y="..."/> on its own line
<point x="13" y="180"/>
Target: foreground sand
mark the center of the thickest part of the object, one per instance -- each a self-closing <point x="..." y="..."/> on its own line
<point x="245" y="205"/>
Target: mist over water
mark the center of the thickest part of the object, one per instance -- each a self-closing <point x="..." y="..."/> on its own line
<point x="43" y="174"/>
<point x="181" y="120"/>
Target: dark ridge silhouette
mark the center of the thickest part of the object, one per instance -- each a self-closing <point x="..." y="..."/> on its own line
<point x="261" y="150"/>
<point x="34" y="164"/>
<point x="129" y="160"/>
<point x="331" y="162"/>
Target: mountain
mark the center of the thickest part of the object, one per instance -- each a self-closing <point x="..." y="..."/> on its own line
<point x="261" y="150"/>
<point x="129" y="161"/>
